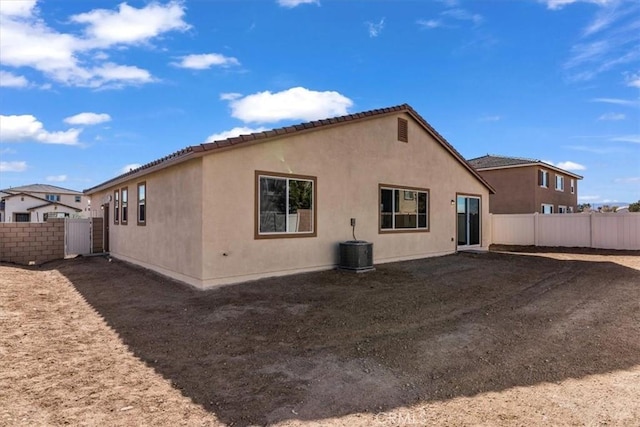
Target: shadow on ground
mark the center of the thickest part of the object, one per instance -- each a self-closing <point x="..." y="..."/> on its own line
<point x="327" y="344"/>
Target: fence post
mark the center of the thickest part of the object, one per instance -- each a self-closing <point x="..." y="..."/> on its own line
<point x="591" y="229"/>
<point x="535" y="229"/>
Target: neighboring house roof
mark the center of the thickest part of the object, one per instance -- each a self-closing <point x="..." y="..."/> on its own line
<point x="46" y="202"/>
<point x="40" y="188"/>
<point x="491" y="161"/>
<point x="258" y="137"/>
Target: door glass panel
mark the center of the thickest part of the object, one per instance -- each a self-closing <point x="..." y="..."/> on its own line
<point x="473" y="215"/>
<point x="462" y="221"/>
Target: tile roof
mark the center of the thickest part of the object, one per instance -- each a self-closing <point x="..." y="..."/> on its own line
<point x="257" y="137"/>
<point x="491" y="161"/>
<point x="40" y="188"/>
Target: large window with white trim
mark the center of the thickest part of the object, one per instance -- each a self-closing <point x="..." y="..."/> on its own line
<point x="403" y="208"/>
<point x="559" y="182"/>
<point x="543" y="178"/>
<point x="285" y="205"/>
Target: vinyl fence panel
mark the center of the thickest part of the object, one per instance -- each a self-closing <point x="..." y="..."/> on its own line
<point x="596" y="230"/>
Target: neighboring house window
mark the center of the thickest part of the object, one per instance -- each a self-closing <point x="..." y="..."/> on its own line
<point x="22" y="217"/>
<point x="562" y="209"/>
<point x="78" y="199"/>
<point x="547" y="209"/>
<point x="52" y="197"/>
<point x="124" y="192"/>
<point x="404" y="209"/>
<point x="559" y="183"/>
<point x="403" y="130"/>
<point x="570" y="209"/>
<point x="142" y="203"/>
<point x="116" y="206"/>
<point x="543" y="178"/>
<point x="573" y="186"/>
<point x="285" y="205"/>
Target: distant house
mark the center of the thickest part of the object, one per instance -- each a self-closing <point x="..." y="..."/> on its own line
<point x="527" y="185"/>
<point x="37" y="202"/>
<point x="280" y="202"/>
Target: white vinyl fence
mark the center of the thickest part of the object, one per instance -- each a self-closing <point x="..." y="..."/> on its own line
<point x="77" y="236"/>
<point x="592" y="230"/>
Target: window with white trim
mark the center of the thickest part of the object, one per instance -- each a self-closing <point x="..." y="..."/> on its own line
<point x="559" y="183"/>
<point x="285" y="205"/>
<point x="116" y="206"/>
<point x="124" y="193"/>
<point x="404" y="209"/>
<point x="142" y="203"/>
<point x="562" y="209"/>
<point x="546" y="209"/>
<point x="543" y="178"/>
<point x="52" y="197"/>
<point x="573" y="186"/>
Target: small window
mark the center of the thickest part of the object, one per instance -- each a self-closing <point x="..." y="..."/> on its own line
<point x="573" y="186"/>
<point x="559" y="183"/>
<point x="404" y="209"/>
<point x="53" y="197"/>
<point x="116" y="206"/>
<point x="22" y="217"/>
<point x="403" y="130"/>
<point x="543" y="178"/>
<point x="124" y="218"/>
<point x="285" y="205"/>
<point x="570" y="209"/>
<point x="78" y="199"/>
<point x="546" y="209"/>
<point x="142" y="203"/>
<point x="562" y="209"/>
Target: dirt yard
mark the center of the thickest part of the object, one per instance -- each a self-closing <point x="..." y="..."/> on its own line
<point x="470" y="339"/>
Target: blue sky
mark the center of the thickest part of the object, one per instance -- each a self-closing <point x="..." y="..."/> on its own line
<point x="89" y="89"/>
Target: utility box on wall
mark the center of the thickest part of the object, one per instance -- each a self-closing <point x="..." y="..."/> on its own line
<point x="356" y="255"/>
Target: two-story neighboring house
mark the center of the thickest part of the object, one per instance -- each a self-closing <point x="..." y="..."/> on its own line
<point x="38" y="202"/>
<point x="527" y="185"/>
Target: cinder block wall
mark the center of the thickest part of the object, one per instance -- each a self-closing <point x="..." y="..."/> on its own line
<point x="26" y="242"/>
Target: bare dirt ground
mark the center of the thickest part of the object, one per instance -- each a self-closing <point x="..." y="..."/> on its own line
<point x="469" y="339"/>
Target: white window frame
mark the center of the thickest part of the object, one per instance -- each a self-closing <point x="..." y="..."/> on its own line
<point x="562" y="209"/>
<point x="545" y="178"/>
<point x="415" y="195"/>
<point x="542" y="208"/>
<point x="573" y="186"/>
<point x="52" y="197"/>
<point x="560" y="180"/>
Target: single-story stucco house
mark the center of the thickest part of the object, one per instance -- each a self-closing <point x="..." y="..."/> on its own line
<point x="280" y="202"/>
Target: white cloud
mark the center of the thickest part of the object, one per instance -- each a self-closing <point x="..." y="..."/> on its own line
<point x="56" y="178"/>
<point x="588" y="198"/>
<point x="375" y="28"/>
<point x="633" y="80"/>
<point x="568" y="165"/>
<point x="612" y="116"/>
<point x="15" y="8"/>
<point x="205" y="61"/>
<point x="13" y="166"/>
<point x="627" y="138"/>
<point x="463" y="15"/>
<point x="297" y="103"/>
<point x="430" y="23"/>
<point x="129" y="167"/>
<point x="237" y="131"/>
<point x="8" y="79"/>
<point x="559" y="4"/>
<point x="608" y="41"/>
<point x="294" y="3"/>
<point x="129" y="25"/>
<point x="88" y="119"/>
<point x="230" y="96"/>
<point x="28" y="128"/>
<point x="617" y="101"/>
<point x="27" y="41"/>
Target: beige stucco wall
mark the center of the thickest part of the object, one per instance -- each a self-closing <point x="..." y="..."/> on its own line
<point x="171" y="241"/>
<point x="349" y="161"/>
